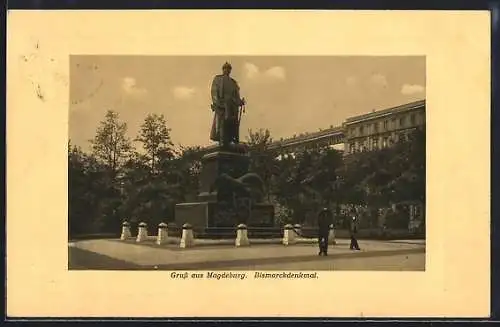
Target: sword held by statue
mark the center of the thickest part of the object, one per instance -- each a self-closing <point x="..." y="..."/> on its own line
<point x="242" y="110"/>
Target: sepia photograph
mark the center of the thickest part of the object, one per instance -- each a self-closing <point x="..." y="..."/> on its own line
<point x="235" y="163"/>
<point x="291" y="163"/>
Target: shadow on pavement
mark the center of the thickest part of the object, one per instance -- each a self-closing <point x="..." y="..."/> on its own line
<point x="79" y="259"/>
<point x="86" y="260"/>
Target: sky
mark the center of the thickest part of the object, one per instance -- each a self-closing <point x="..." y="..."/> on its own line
<point x="288" y="95"/>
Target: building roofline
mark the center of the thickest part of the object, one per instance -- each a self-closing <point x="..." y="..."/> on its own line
<point x="387" y="111"/>
<point x="311" y="136"/>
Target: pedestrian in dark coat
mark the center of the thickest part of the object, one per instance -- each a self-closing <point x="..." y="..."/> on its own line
<point x="325" y="219"/>
<point x="354" y="231"/>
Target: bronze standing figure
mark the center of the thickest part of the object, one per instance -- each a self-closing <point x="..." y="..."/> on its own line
<point x="226" y="105"/>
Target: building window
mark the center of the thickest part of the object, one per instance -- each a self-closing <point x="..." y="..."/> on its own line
<point x="351" y="148"/>
<point x="385" y="142"/>
<point x="361" y="130"/>
<point x="393" y="123"/>
<point x="412" y="119"/>
<point x="401" y="122"/>
<point x="364" y="145"/>
<point x="375" y="128"/>
<point x="386" y="124"/>
<point x="375" y="144"/>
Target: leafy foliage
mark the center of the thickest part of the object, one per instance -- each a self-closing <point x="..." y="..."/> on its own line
<point x="155" y="138"/>
<point x="115" y="182"/>
<point x="262" y="161"/>
<point x="110" y="145"/>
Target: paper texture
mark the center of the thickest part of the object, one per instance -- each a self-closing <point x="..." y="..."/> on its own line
<point x="457" y="47"/>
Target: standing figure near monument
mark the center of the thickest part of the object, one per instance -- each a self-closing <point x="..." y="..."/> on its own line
<point x="226" y="103"/>
<point x="354" y="231"/>
<point x="325" y="219"/>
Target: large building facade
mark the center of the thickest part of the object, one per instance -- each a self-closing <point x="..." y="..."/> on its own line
<point x="380" y="129"/>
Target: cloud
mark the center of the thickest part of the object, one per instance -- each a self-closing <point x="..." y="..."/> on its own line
<point x="351" y="81"/>
<point x="378" y="80"/>
<point x="129" y="85"/>
<point x="253" y="72"/>
<point x="276" y="72"/>
<point x="408" y="89"/>
<point x="183" y="92"/>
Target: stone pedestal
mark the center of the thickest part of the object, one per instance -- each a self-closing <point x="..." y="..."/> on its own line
<point x="289" y="235"/>
<point x="187" y="239"/>
<point x="126" y="234"/>
<point x="142" y="234"/>
<point x="224" y="202"/>
<point x="331" y="236"/>
<point x="217" y="214"/>
<point x="242" y="236"/>
<point x="162" y="234"/>
<point x="194" y="213"/>
<point x="219" y="162"/>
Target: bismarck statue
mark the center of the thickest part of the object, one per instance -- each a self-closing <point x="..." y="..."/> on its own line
<point x="228" y="107"/>
<point x="229" y="194"/>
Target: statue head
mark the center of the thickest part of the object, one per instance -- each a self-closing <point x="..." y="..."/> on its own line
<point x="226" y="68"/>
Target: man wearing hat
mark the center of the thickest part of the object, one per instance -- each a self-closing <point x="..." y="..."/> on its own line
<point x="226" y="103"/>
<point x="325" y="219"/>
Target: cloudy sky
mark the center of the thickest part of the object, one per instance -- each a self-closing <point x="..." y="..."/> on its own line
<point x="288" y="95"/>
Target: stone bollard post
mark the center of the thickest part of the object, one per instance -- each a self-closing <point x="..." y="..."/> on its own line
<point x="289" y="235"/>
<point x="187" y="239"/>
<point x="242" y="235"/>
<point x="125" y="231"/>
<point x="298" y="230"/>
<point x="331" y="235"/>
<point x="142" y="234"/>
<point x="162" y="234"/>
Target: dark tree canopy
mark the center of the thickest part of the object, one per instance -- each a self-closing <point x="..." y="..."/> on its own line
<point x="114" y="181"/>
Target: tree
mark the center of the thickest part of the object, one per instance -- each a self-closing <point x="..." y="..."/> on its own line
<point x="259" y="139"/>
<point x="110" y="144"/>
<point x="324" y="178"/>
<point x="155" y="138"/>
<point x="262" y="161"/>
<point x="92" y="194"/>
<point x="293" y="183"/>
<point x="379" y="179"/>
<point x="188" y="165"/>
<point x="78" y="221"/>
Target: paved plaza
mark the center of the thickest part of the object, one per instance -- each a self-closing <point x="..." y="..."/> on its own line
<point x="112" y="254"/>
